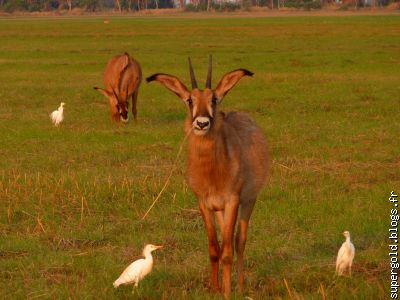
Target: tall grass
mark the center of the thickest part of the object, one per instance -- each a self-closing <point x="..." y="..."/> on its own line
<point x="325" y="92"/>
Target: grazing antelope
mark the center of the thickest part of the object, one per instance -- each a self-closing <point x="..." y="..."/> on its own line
<point x="227" y="166"/>
<point x="122" y="79"/>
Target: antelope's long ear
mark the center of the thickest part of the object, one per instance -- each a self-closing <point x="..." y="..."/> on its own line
<point x="103" y="91"/>
<point x="229" y="80"/>
<point x="172" y="83"/>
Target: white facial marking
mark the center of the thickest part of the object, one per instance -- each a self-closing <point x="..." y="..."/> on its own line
<point x="194" y="110"/>
<point x="210" y="111"/>
<point x="197" y="129"/>
<point x="124" y="120"/>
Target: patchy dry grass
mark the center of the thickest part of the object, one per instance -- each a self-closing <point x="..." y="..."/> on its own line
<point x="325" y="92"/>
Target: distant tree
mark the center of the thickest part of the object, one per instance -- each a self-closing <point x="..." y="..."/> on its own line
<point x="91" y="5"/>
<point x="118" y="5"/>
<point x="246" y="4"/>
<point x="128" y="5"/>
<point x="165" y="3"/>
<point x="69" y="2"/>
<point x="62" y="3"/>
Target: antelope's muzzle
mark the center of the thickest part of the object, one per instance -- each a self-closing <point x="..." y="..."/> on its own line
<point x="201" y="125"/>
<point x="123" y="115"/>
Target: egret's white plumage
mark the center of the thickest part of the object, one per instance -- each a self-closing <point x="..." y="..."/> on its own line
<point x="345" y="255"/>
<point x="57" y="116"/>
<point x="137" y="270"/>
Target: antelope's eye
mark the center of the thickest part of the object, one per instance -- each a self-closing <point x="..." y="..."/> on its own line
<point x="189" y="101"/>
<point x="214" y="100"/>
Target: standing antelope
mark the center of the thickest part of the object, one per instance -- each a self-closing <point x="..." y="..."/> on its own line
<point x="227" y="166"/>
<point x="122" y="79"/>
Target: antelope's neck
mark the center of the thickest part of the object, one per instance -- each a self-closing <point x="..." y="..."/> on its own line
<point x="211" y="148"/>
<point x="213" y="167"/>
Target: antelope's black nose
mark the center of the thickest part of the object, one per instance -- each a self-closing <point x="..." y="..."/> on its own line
<point x="124" y="114"/>
<point x="203" y="124"/>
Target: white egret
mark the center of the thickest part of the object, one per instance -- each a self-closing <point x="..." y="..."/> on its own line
<point x="137" y="270"/>
<point x="57" y="116"/>
<point x="345" y="256"/>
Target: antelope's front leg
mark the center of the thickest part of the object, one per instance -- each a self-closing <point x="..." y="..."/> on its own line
<point x="213" y="246"/>
<point x="230" y="215"/>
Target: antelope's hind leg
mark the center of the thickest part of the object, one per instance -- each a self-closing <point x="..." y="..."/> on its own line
<point x="134" y="104"/>
<point x="241" y="238"/>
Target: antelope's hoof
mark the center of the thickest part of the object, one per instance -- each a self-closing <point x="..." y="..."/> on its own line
<point x="215" y="288"/>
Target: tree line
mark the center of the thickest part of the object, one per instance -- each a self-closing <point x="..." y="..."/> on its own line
<point x="188" y="5"/>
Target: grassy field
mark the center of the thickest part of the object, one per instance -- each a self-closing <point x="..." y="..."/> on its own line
<point x="325" y="92"/>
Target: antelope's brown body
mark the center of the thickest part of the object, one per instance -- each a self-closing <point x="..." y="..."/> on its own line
<point x="227" y="167"/>
<point x="231" y="160"/>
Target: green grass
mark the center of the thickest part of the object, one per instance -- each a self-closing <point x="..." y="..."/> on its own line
<point x="325" y="92"/>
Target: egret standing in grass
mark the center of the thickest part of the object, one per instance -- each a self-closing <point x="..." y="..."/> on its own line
<point x="137" y="270"/>
<point x="57" y="116"/>
<point x="345" y="256"/>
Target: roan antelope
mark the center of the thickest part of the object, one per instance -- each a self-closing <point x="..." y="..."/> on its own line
<point x="227" y="166"/>
<point x="122" y="79"/>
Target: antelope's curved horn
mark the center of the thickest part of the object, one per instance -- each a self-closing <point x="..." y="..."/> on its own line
<point x="115" y="94"/>
<point x="208" y="82"/>
<point x="192" y="77"/>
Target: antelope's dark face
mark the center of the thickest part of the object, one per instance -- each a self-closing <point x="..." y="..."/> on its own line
<point x="123" y="111"/>
<point x="202" y="104"/>
<point x="121" y="104"/>
<point x="118" y="104"/>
